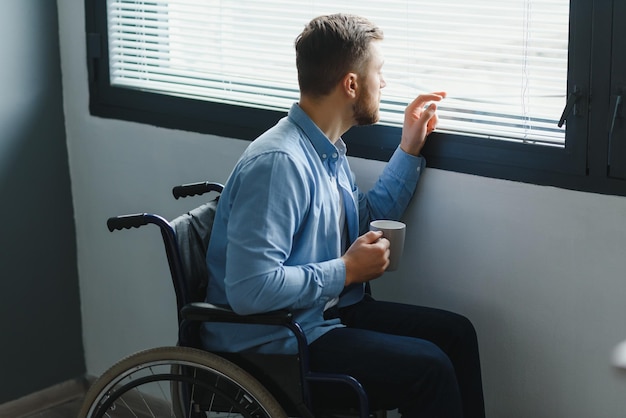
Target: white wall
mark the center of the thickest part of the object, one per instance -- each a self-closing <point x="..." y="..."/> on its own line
<point x="539" y="270"/>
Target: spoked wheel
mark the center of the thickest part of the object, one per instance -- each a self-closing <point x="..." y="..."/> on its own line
<point x="178" y="382"/>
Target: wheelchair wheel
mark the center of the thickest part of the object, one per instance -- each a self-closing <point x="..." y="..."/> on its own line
<point x="178" y="382"/>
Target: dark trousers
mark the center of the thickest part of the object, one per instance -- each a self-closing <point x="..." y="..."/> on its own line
<point x="421" y="360"/>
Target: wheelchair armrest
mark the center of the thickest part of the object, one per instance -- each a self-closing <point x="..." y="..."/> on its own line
<point x="206" y="312"/>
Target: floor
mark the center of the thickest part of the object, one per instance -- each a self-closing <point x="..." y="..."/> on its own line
<point x="66" y="410"/>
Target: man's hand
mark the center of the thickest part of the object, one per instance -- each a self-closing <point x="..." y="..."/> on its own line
<point x="367" y="258"/>
<point x="419" y="121"/>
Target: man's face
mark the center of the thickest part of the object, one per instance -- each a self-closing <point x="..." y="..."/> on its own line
<point x="370" y="86"/>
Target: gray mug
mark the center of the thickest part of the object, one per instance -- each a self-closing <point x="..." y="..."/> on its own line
<point x="394" y="231"/>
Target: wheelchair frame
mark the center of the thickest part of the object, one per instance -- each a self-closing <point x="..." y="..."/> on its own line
<point x="199" y="380"/>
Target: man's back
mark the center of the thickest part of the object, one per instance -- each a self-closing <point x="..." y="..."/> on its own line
<point x="279" y="217"/>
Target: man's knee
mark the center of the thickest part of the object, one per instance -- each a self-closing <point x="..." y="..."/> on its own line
<point x="440" y="370"/>
<point x="427" y="368"/>
<point x="463" y="328"/>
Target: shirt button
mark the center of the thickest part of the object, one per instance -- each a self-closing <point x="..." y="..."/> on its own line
<point x="324" y="156"/>
<point x="335" y="155"/>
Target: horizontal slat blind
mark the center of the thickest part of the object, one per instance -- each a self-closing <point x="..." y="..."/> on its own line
<point x="502" y="62"/>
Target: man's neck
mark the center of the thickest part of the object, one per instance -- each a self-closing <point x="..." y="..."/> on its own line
<point x="329" y="114"/>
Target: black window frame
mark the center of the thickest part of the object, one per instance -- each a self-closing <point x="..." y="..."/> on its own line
<point x="583" y="164"/>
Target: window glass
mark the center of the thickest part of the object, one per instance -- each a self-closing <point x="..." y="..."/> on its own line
<point x="503" y="63"/>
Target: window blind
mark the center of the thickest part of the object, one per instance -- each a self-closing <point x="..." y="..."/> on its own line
<point x="502" y="63"/>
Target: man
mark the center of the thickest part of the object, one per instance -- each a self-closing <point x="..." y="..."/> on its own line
<point x="291" y="232"/>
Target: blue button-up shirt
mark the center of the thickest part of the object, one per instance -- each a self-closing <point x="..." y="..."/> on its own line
<point x="277" y="239"/>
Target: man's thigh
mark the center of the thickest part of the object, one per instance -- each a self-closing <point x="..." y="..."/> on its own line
<point x="445" y="329"/>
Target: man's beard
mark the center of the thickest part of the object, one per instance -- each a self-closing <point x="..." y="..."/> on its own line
<point x="364" y="113"/>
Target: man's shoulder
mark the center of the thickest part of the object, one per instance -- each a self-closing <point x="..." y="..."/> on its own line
<point x="283" y="138"/>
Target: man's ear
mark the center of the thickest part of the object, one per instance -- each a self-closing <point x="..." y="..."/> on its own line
<point x="350" y="84"/>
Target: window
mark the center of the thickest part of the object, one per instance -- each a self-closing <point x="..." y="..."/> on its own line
<point x="517" y="73"/>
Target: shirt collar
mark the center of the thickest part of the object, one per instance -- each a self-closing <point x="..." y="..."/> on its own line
<point x="323" y="146"/>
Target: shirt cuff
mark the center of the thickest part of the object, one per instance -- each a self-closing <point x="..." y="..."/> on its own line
<point x="406" y="166"/>
<point x="334" y="278"/>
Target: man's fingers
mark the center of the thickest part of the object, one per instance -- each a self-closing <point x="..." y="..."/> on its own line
<point x="429" y="118"/>
<point x="429" y="112"/>
<point x="376" y="238"/>
<point x="417" y="105"/>
<point x="432" y="124"/>
<point x="384" y="242"/>
<point x="372" y="236"/>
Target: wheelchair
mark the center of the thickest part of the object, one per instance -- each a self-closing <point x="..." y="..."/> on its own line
<point x="185" y="381"/>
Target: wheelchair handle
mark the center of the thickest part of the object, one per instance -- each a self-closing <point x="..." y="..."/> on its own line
<point x="132" y="221"/>
<point x="194" y="189"/>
